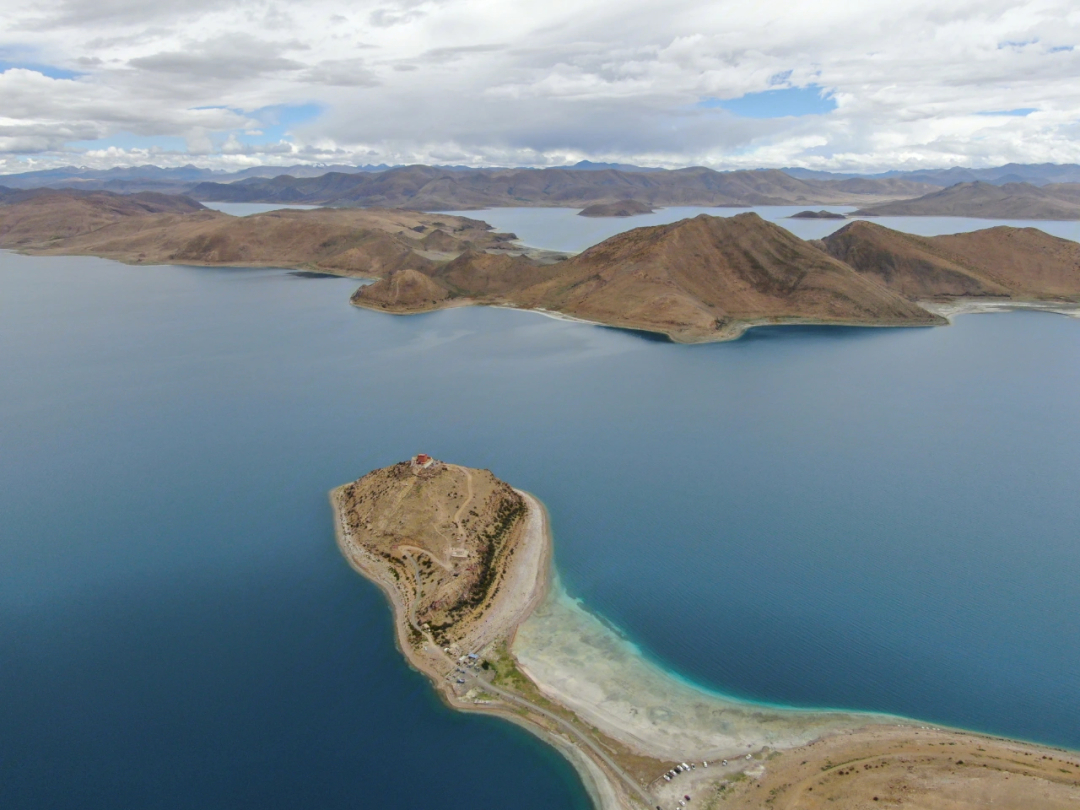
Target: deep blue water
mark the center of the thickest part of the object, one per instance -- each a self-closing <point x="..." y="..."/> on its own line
<point x="873" y="519"/>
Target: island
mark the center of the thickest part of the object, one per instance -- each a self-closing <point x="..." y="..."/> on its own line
<point x="465" y="561"/>
<point x="817" y="215"/>
<point x="620" y="208"/>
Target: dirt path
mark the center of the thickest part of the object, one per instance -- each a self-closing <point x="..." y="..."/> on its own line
<point x="416" y="550"/>
<point x="465" y="503"/>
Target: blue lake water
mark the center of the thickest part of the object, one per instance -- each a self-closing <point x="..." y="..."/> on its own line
<point x="870" y="519"/>
<point x="562" y="228"/>
<point x="247" y="209"/>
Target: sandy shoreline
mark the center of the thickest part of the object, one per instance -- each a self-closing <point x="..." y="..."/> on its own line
<point x="972" y="306"/>
<point x="577" y="661"/>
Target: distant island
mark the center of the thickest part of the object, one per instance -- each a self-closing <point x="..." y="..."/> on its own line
<point x="1059" y="201"/>
<point x="465" y="561"/>
<point x="701" y="279"/>
<point x="818" y="215"/>
<point x="620" y="208"/>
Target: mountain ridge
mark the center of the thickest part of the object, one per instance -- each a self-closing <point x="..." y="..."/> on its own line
<point x="1060" y="201"/>
<point x="430" y="188"/>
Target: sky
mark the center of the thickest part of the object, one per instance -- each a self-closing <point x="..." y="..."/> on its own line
<point x="822" y="84"/>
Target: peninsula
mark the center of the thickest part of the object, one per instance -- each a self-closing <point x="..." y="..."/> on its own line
<point x="465" y="561"/>
<point x="151" y="228"/>
<point x="701" y="279"/>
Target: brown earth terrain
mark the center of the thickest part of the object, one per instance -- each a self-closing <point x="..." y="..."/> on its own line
<point x="1003" y="262"/>
<point x="706" y="278"/>
<point x="42" y="216"/>
<point x="161" y="229"/>
<point x="444" y="534"/>
<point x="464" y="560"/>
<point x="619" y="208"/>
<point x="928" y="769"/>
<point x="1009" y="201"/>
<point x="701" y="279"/>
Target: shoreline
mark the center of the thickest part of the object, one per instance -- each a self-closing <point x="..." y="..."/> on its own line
<point x="729" y="333"/>
<point x="978" y="306"/>
<point x="624" y="722"/>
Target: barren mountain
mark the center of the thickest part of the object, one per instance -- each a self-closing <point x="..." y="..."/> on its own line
<point x="706" y="278"/>
<point x="431" y="189"/>
<point x="1019" y="263"/>
<point x="913" y="266"/>
<point x="710" y="277"/>
<point x="43" y="215"/>
<point x="1009" y="201"/>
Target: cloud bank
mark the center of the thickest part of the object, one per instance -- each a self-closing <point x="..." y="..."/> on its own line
<point x="821" y="84"/>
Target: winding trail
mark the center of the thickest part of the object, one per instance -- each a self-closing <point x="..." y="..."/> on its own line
<point x="465" y="503"/>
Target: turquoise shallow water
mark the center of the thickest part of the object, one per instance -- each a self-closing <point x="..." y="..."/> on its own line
<point x="870" y="519"/>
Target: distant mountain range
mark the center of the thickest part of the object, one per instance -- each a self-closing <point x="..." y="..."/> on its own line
<point x="1037" y="174"/>
<point x="430" y="188"/>
<point x="1008" y="201"/>
<point x="178" y="179"/>
<point x="1026" y="191"/>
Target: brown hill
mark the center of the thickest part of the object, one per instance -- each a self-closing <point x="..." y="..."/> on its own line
<point x="1009" y="201"/>
<point x="440" y="538"/>
<point x="711" y="277"/>
<point x="145" y="229"/>
<point x="911" y="265"/>
<point x="1017" y="263"/>
<point x="43" y="215"/>
<point x="706" y="278"/>
<point x="473" y="277"/>
<point x="402" y="291"/>
<point x="1029" y="263"/>
<point x="621" y="208"/>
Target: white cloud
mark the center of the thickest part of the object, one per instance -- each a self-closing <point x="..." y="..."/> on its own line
<point x="528" y="82"/>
